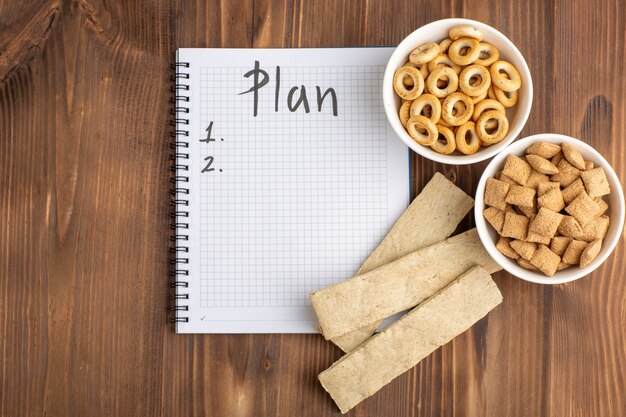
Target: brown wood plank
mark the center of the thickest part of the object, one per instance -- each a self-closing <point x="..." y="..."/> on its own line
<point x="84" y="224"/>
<point x="83" y="219"/>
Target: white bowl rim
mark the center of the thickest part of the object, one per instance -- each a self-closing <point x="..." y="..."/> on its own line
<point x="510" y="266"/>
<point x="391" y="112"/>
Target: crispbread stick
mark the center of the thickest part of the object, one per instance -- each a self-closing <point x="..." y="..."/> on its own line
<point x="406" y="342"/>
<point x="399" y="285"/>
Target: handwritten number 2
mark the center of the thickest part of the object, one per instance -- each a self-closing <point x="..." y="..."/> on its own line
<point x="208" y="168"/>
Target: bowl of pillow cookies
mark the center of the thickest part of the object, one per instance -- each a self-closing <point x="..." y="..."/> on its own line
<point x="457" y="91"/>
<point x="549" y="209"/>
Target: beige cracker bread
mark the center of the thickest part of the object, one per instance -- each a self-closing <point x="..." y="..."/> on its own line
<point x="431" y="217"/>
<point x="405" y="343"/>
<point x="399" y="285"/>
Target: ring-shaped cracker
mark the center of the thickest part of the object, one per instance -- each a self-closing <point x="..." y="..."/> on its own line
<point x="458" y="108"/>
<point x="508" y="99"/>
<point x="474" y="71"/>
<point x="403" y="113"/>
<point x="408" y="81"/>
<point x="482" y="125"/>
<point x="486" y="105"/>
<point x="423" y="101"/>
<point x="443" y="60"/>
<point x="445" y="74"/>
<point x="448" y="145"/>
<point x="472" y="53"/>
<point x="448" y="107"/>
<point x="424" y="123"/>
<point x="408" y="92"/>
<point x="508" y="80"/>
<point x="465" y="31"/>
<point x="492" y="54"/>
<point x="424" y="53"/>
<point x="462" y="144"/>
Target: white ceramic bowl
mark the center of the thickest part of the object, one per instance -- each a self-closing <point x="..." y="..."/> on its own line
<point x="489" y="237"/>
<point x="436" y="32"/>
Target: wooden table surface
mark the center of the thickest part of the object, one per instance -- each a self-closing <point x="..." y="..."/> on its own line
<point x="84" y="227"/>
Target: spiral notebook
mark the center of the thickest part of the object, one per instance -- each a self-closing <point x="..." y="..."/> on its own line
<point x="286" y="176"/>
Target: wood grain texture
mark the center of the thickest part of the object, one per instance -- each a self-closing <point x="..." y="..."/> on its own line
<point x="84" y="226"/>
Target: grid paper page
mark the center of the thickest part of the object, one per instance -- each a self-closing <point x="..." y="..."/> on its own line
<point x="292" y="200"/>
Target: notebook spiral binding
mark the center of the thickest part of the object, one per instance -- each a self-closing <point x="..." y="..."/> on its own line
<point x="179" y="249"/>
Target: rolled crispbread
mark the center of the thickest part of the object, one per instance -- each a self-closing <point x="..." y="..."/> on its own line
<point x="406" y="342"/>
<point x="399" y="285"/>
<point x="432" y="217"/>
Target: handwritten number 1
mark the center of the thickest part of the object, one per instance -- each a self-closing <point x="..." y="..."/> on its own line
<point x="208" y="136"/>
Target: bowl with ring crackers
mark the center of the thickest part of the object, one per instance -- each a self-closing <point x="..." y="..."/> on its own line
<point x="549" y="209"/>
<point x="457" y="91"/>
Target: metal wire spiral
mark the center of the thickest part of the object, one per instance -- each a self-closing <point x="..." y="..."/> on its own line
<point x="179" y="190"/>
